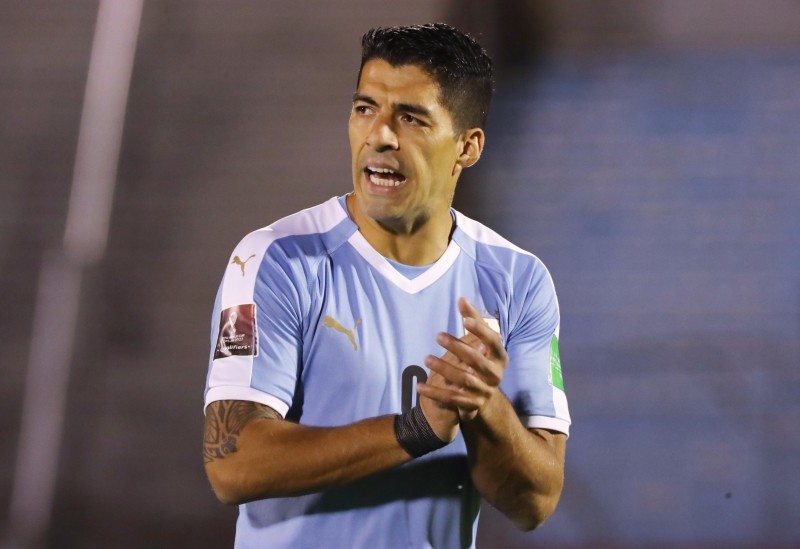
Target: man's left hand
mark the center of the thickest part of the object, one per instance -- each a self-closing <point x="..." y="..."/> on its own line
<point x="474" y="378"/>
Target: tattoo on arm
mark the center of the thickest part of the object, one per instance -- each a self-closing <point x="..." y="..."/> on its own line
<point x="224" y="422"/>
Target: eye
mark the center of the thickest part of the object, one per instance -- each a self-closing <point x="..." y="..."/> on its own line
<point x="410" y="119"/>
<point x="361" y="109"/>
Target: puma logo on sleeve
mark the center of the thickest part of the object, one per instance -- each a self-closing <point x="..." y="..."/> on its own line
<point x="237" y="261"/>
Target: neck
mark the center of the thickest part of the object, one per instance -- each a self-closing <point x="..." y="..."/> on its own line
<point x="420" y="244"/>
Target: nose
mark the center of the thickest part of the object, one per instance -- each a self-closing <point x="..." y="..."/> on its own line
<point x="382" y="136"/>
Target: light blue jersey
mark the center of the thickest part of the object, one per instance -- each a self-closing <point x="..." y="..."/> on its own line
<point x="313" y="322"/>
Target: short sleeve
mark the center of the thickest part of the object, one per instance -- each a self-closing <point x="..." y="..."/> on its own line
<point x="533" y="380"/>
<point x="256" y="326"/>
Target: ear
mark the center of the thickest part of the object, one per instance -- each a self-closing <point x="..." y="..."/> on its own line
<point x="471" y="148"/>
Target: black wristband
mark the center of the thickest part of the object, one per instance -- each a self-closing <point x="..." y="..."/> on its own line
<point x="414" y="433"/>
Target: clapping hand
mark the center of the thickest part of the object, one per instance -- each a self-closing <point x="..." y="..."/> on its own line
<point x="468" y="376"/>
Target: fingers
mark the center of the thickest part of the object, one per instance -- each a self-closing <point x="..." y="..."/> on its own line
<point x="473" y="358"/>
<point x="470" y="340"/>
<point x="457" y="387"/>
<point x="476" y="325"/>
<point x="437" y="380"/>
<point x="458" y="375"/>
<point x="452" y="400"/>
<point x="470" y="371"/>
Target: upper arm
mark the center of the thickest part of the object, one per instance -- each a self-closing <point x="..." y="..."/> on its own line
<point x="256" y="329"/>
<point x="533" y="380"/>
<point x="556" y="441"/>
<point x="224" y="422"/>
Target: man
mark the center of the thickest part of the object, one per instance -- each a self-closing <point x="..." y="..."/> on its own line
<point x="334" y="422"/>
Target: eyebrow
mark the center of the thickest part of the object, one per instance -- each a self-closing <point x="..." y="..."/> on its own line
<point x="365" y="98"/>
<point x="405" y="107"/>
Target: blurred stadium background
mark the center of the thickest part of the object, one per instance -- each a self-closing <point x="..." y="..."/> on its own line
<point x="647" y="151"/>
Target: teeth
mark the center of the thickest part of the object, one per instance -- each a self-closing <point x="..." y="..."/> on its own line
<point x="381" y="182"/>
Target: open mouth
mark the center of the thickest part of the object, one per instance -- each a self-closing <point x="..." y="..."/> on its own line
<point x="384" y="177"/>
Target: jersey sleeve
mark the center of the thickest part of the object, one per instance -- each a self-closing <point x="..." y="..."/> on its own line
<point x="533" y="380"/>
<point x="256" y="327"/>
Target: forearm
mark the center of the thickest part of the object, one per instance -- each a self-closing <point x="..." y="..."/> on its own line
<point x="271" y="457"/>
<point x="520" y="472"/>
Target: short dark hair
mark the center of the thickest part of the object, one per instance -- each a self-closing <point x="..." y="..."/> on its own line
<point x="458" y="64"/>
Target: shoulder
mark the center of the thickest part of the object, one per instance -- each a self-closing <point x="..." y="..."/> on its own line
<point x="309" y="224"/>
<point x="317" y="220"/>
<point x="289" y="249"/>
<point x="303" y="235"/>
<point x="491" y="250"/>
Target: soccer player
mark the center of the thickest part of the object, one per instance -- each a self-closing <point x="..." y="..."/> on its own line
<point x="388" y="361"/>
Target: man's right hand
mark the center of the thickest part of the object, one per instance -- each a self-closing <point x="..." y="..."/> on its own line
<point x="444" y="420"/>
